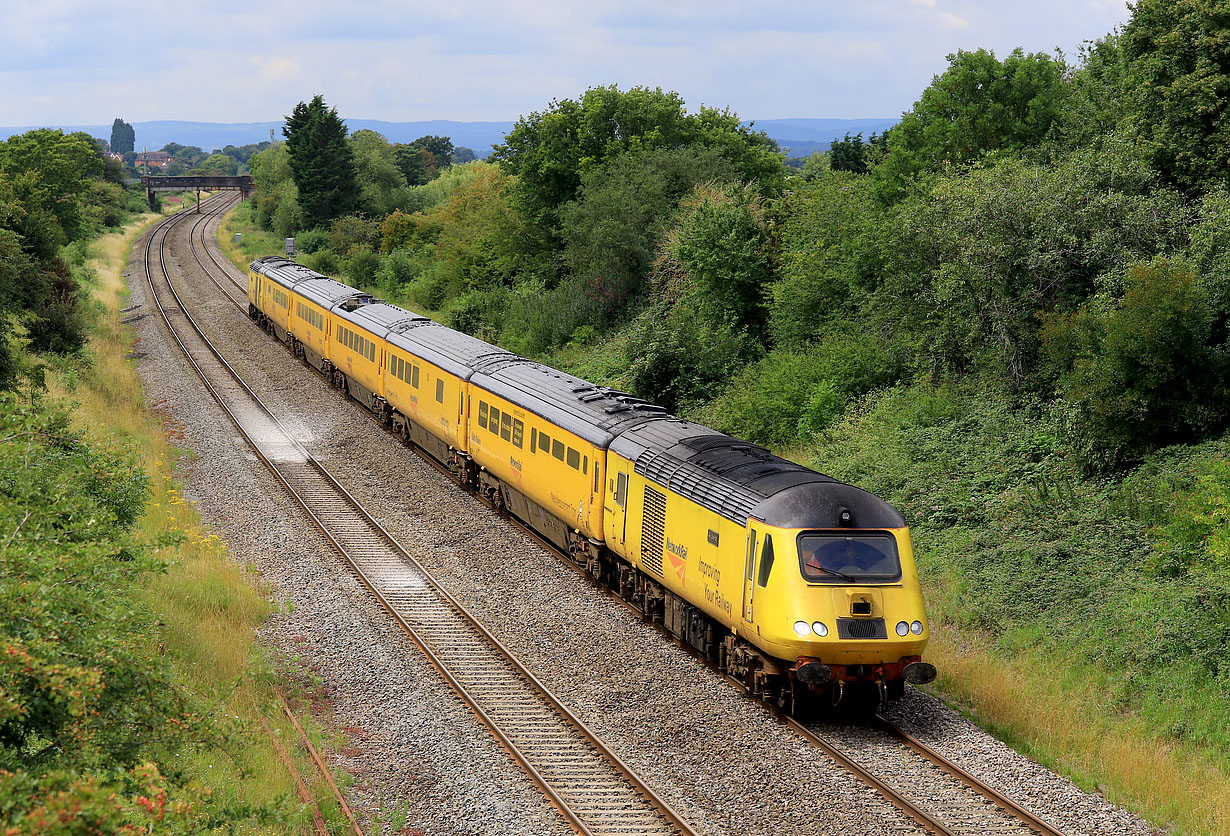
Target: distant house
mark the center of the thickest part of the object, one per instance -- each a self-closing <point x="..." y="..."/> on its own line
<point x="153" y="159"/>
<point x="113" y="155"/>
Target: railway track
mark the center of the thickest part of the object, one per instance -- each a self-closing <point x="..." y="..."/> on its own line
<point x="931" y="791"/>
<point x="591" y="787"/>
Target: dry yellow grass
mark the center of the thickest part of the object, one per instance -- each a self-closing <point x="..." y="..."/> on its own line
<point x="211" y="607"/>
<point x="1057" y="714"/>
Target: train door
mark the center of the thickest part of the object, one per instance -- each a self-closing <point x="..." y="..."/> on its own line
<point x="621" y="500"/>
<point x="753" y="537"/>
<point x="615" y="515"/>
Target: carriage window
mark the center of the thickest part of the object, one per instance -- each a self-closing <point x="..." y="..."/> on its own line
<point x="766" y="561"/>
<point x="544" y="443"/>
<point x="414" y="376"/>
<point x="585" y="465"/>
<point x="597" y="478"/>
<point x="574" y="459"/>
<point x="518" y="433"/>
<point x="440" y="390"/>
<point x="557" y="449"/>
<point x="506" y="420"/>
<point x="482" y="415"/>
<point x="533" y="439"/>
<point x="493" y="422"/>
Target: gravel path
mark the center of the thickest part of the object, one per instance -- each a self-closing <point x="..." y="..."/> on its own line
<point x="727" y="766"/>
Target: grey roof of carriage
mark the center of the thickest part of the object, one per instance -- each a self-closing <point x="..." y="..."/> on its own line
<point x="738" y="479"/>
<point x="595" y="413"/>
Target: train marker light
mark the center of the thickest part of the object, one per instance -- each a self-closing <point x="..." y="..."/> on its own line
<point x="819" y="628"/>
<point x="902" y="628"/>
<point x="916" y="628"/>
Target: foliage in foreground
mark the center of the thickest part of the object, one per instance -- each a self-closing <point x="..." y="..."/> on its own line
<point x="91" y="721"/>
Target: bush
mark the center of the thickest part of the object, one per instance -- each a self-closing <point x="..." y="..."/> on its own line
<point x="478" y="312"/>
<point x="353" y="231"/>
<point x="793" y="393"/>
<point x="324" y="262"/>
<point x="1141" y="372"/>
<point x="311" y="240"/>
<point x="362" y="266"/>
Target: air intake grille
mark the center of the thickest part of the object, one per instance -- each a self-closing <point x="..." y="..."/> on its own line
<point x="861" y="628"/>
<point x="653" y="529"/>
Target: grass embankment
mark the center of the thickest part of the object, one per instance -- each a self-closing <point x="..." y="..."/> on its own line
<point x="203" y="606"/>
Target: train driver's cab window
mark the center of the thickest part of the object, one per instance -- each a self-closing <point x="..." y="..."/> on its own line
<point x="621" y="490"/>
<point x="836" y="558"/>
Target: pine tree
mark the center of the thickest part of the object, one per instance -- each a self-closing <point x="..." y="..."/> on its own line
<point x="321" y="161"/>
<point x="123" y="137"/>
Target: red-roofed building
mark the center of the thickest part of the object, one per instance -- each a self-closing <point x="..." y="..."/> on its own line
<point x="153" y="159"/>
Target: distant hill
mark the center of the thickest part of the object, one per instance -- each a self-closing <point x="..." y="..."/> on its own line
<point x="798" y="137"/>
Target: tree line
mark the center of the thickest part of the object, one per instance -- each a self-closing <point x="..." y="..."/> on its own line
<point x="1023" y="214"/>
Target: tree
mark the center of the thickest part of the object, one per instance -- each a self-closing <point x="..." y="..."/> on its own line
<point x="462" y="154"/>
<point x="1141" y="370"/>
<point x="1179" y="76"/>
<point x="978" y="105"/>
<point x="123" y="137"/>
<point x="321" y="160"/>
<point x="219" y="164"/>
<point x="409" y="160"/>
<point x="623" y="208"/>
<point x="376" y="172"/>
<point x="849" y="154"/>
<point x="551" y="151"/>
<point x="440" y="147"/>
<point x="49" y="172"/>
<point x="971" y="263"/>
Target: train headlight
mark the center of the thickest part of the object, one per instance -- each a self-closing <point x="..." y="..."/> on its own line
<point x="916" y="628"/>
<point x="819" y="629"/>
<point x="802" y="628"/>
<point x="902" y="628"/>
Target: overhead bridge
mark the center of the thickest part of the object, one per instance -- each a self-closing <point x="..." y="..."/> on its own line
<point x="186" y="183"/>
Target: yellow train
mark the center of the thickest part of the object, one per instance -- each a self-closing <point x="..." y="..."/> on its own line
<point x="797" y="584"/>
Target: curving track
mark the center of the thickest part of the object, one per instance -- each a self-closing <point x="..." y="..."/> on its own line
<point x="931" y="791"/>
<point x="592" y="788"/>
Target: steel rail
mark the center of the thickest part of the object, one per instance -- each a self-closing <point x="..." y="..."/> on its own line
<point x="662" y="819"/>
<point x="1035" y="823"/>
<point x="320" y="765"/>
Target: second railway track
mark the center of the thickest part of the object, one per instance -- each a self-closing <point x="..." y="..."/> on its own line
<point x="592" y="788"/>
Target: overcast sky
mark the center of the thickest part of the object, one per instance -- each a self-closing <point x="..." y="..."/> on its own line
<point x="83" y="62"/>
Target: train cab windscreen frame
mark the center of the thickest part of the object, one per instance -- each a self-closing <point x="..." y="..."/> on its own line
<point x="840" y="557"/>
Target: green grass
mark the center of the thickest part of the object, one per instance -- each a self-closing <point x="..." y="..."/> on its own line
<point x="206" y="606"/>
